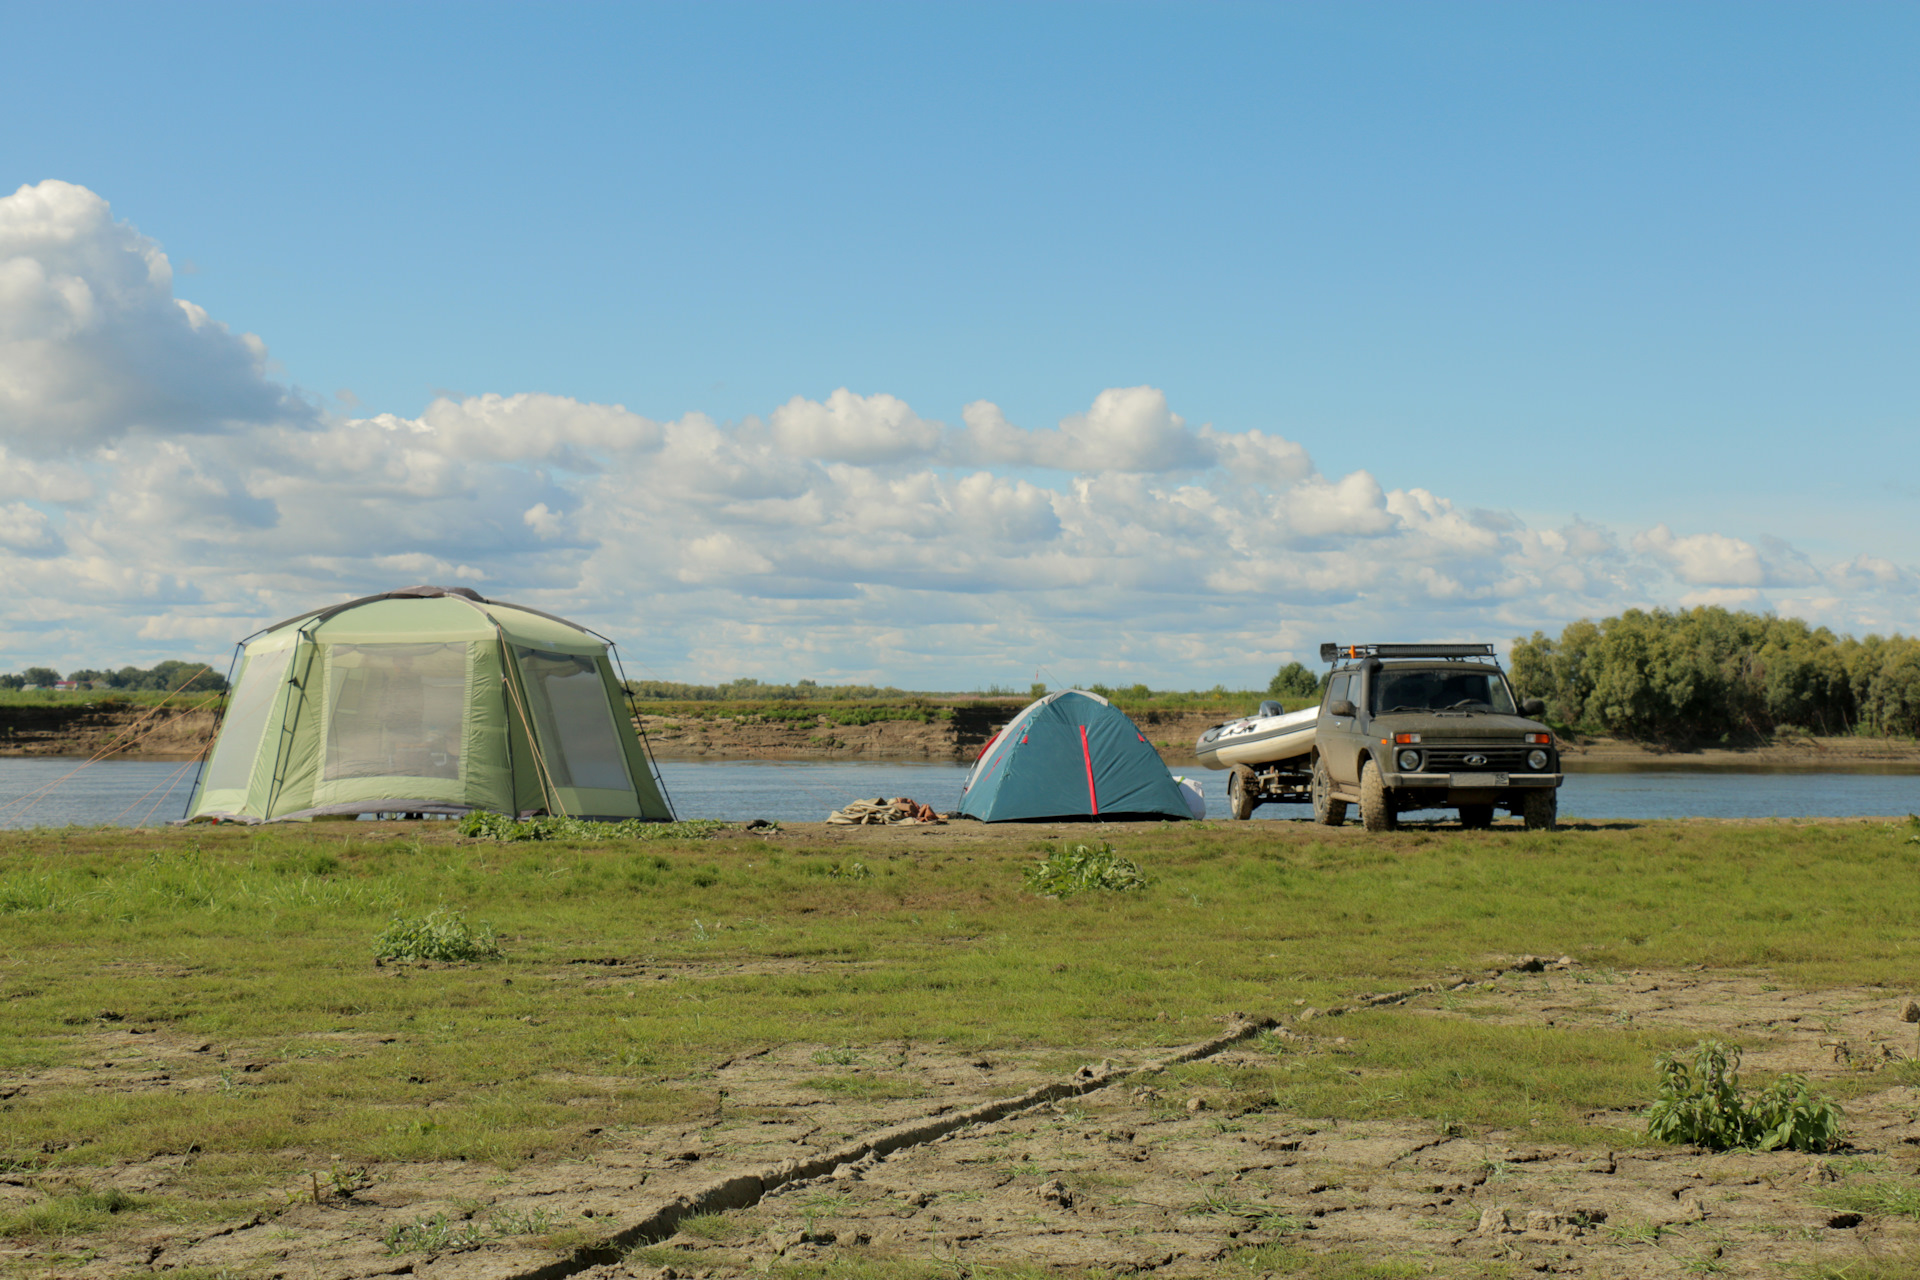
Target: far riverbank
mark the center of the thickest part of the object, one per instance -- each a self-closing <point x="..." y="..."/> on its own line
<point x="957" y="736"/>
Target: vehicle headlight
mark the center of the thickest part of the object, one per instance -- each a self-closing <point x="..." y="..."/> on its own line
<point x="1409" y="760"/>
<point x="1536" y="760"/>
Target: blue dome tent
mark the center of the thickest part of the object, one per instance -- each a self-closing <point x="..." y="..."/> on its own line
<point x="1071" y="755"/>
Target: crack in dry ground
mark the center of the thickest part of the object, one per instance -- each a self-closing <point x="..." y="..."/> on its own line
<point x="1126" y="1178"/>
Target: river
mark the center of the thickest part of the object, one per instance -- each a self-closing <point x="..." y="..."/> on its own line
<point x="45" y="791"/>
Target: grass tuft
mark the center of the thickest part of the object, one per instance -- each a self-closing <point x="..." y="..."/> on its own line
<point x="60" y="1216"/>
<point x="439" y="1232"/>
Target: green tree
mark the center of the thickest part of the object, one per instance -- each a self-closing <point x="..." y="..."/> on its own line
<point x="1708" y="672"/>
<point x="1294" y="680"/>
<point x="44" y="677"/>
<point x="1894" y="692"/>
<point x="169" y="674"/>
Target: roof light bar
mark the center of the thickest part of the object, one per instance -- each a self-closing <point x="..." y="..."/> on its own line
<point x="1335" y="652"/>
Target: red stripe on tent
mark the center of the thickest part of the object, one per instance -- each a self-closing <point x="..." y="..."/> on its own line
<point x="1093" y="800"/>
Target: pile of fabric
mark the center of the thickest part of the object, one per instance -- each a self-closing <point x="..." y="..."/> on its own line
<point x="899" y="811"/>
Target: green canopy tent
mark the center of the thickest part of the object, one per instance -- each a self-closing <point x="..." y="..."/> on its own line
<point x="426" y="700"/>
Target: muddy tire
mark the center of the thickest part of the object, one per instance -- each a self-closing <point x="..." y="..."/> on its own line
<point x="1327" y="811"/>
<point x="1541" y="810"/>
<point x="1376" y="808"/>
<point x="1476" y="817"/>
<point x="1239" y="794"/>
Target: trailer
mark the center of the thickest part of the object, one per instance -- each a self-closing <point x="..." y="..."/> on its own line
<point x="1287" y="781"/>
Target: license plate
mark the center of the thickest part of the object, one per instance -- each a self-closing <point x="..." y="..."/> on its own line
<point x="1472" y="781"/>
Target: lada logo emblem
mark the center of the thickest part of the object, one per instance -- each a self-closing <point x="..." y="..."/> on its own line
<point x="1476" y="760"/>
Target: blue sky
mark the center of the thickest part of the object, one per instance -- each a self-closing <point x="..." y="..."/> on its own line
<point x="1652" y="266"/>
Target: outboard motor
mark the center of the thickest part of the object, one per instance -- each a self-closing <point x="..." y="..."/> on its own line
<point x="1271" y="709"/>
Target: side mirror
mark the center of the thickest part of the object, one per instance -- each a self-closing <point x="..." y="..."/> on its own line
<point x="1340" y="709"/>
<point x="1533" y="707"/>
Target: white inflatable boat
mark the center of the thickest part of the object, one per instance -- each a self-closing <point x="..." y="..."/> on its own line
<point x="1266" y="736"/>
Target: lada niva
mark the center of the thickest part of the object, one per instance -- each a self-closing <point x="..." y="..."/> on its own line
<point x="1429" y="726"/>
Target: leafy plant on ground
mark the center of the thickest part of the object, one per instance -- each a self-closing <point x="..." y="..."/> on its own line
<point x="1075" y="866"/>
<point x="498" y="826"/>
<point x="438" y="935"/>
<point x="1700" y="1102"/>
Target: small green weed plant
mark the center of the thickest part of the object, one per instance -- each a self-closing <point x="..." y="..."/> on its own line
<point x="1075" y="867"/>
<point x="498" y="826"/>
<point x="438" y="935"/>
<point x="1700" y="1102"/>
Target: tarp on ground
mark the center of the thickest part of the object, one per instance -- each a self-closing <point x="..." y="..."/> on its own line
<point x="1072" y="754"/>
<point x="427" y="700"/>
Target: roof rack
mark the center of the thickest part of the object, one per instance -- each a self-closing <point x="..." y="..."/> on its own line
<point x="1335" y="652"/>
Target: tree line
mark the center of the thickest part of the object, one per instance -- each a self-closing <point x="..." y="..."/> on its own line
<point x="1711" y="673"/>
<point x="164" y="677"/>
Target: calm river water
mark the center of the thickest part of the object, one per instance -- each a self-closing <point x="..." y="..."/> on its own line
<point x="49" y="792"/>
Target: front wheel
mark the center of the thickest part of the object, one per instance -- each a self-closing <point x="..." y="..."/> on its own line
<point x="1239" y="797"/>
<point x="1376" y="807"/>
<point x="1541" y="810"/>
<point x="1327" y="811"/>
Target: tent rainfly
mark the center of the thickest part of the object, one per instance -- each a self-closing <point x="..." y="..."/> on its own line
<point x="426" y="700"/>
<point x="1071" y="755"/>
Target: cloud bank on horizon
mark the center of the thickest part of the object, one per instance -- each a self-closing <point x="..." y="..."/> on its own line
<point x="162" y="493"/>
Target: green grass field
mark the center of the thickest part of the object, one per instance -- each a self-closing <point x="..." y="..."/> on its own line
<point x="261" y="944"/>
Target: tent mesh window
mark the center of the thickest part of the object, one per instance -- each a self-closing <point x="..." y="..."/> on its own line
<point x="246" y="720"/>
<point x="395" y="710"/>
<point x="571" y="715"/>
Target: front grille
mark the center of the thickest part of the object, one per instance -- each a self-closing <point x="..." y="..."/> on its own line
<point x="1454" y="760"/>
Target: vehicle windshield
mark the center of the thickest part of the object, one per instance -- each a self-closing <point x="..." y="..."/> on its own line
<point x="1431" y="690"/>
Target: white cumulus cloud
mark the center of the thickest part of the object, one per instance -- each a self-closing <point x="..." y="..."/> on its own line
<point x="852" y="428"/>
<point x="93" y="344"/>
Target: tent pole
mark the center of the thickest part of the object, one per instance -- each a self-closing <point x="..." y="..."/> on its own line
<point x="219" y="718"/>
<point x="509" y="670"/>
<point x="646" y="748"/>
<point x="290" y="719"/>
<point x="547" y="786"/>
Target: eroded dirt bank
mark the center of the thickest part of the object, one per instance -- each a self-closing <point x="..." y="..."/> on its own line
<point x="84" y="729"/>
